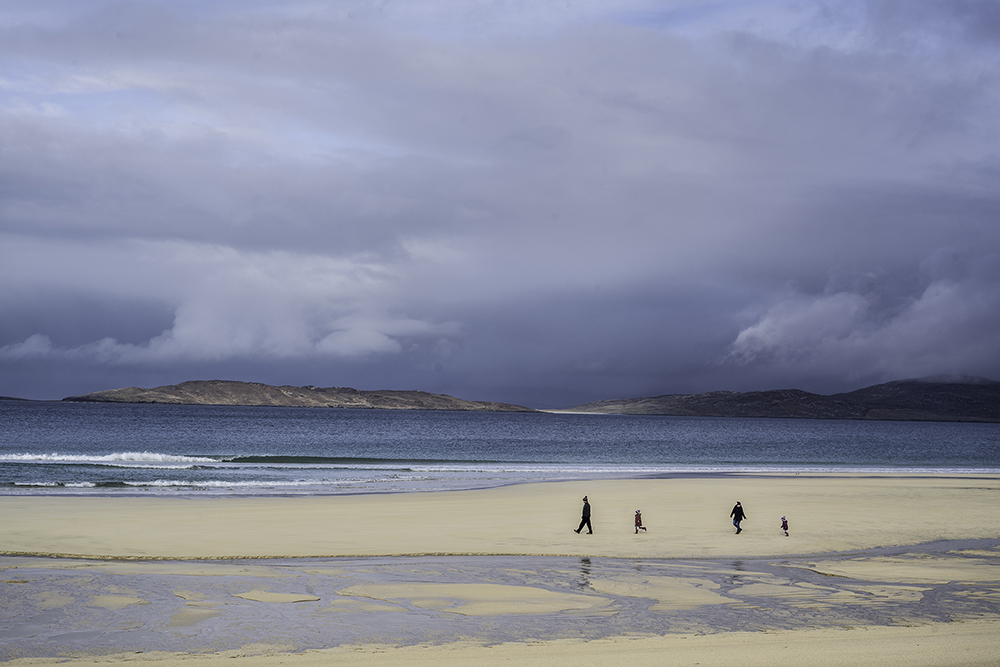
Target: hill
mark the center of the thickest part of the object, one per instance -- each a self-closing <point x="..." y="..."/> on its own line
<point x="228" y="392"/>
<point x="924" y="399"/>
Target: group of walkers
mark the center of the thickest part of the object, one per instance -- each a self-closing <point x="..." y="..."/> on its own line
<point x="737" y="515"/>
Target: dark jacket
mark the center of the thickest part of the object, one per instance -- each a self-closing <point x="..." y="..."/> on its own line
<point x="586" y="510"/>
<point x="737" y="513"/>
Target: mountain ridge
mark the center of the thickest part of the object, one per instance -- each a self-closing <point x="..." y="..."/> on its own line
<point x="232" y="392"/>
<point x="937" y="398"/>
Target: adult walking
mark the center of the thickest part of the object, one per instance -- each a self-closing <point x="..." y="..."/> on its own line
<point x="738" y="515"/>
<point x="586" y="518"/>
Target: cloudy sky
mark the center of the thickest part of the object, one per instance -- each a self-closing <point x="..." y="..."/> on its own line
<point x="528" y="201"/>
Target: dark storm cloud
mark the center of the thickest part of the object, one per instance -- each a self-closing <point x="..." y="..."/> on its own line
<point x="517" y="202"/>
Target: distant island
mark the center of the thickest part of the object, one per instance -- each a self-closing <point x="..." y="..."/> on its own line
<point x="941" y="398"/>
<point x="228" y="392"/>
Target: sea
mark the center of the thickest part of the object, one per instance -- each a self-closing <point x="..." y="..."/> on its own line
<point x="97" y="449"/>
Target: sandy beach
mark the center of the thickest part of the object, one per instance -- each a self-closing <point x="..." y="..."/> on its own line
<point x="877" y="569"/>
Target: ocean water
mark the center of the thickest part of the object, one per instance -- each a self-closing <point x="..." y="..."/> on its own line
<point x="107" y="449"/>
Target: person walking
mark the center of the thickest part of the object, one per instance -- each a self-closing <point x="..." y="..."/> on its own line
<point x="738" y="515"/>
<point x="586" y="518"/>
<point x="784" y="526"/>
<point x="638" y="522"/>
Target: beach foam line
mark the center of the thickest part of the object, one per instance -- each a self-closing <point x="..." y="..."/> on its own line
<point x="139" y="457"/>
<point x="424" y="554"/>
<point x="153" y="460"/>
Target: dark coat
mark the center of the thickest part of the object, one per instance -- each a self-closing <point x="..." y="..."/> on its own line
<point x="737" y="513"/>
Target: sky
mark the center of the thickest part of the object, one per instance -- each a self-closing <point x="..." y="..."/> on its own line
<point x="536" y="202"/>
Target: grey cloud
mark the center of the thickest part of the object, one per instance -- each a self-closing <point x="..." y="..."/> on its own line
<point x="949" y="325"/>
<point x="228" y="303"/>
<point x="946" y="23"/>
<point x="498" y="201"/>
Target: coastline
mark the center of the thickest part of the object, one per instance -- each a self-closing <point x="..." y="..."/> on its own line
<point x="860" y="547"/>
<point x="687" y="517"/>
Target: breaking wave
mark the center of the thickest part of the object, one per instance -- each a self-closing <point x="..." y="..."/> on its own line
<point x="117" y="457"/>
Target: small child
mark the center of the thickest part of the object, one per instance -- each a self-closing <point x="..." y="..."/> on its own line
<point x="784" y="525"/>
<point x="638" y="522"/>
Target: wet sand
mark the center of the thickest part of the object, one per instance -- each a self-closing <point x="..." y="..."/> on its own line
<point x="499" y="574"/>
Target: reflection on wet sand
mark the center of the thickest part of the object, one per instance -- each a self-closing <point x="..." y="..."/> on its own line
<point x="49" y="608"/>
